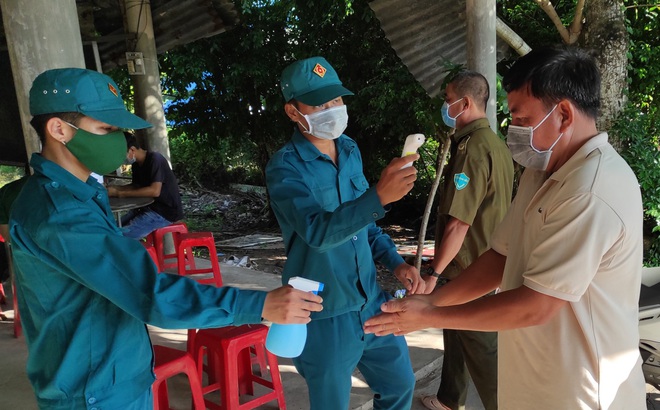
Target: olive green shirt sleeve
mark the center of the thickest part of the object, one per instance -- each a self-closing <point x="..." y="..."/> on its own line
<point x="467" y="182"/>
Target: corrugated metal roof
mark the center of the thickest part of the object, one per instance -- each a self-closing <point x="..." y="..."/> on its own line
<point x="175" y="23"/>
<point x="426" y="34"/>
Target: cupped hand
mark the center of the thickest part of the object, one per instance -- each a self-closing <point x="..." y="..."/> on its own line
<point x="409" y="276"/>
<point x="287" y="305"/>
<point x="401" y="316"/>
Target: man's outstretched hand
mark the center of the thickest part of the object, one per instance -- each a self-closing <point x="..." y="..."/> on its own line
<point x="287" y="305"/>
<point x="401" y="316"/>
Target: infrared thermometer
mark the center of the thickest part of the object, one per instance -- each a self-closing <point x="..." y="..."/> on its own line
<point x="413" y="142"/>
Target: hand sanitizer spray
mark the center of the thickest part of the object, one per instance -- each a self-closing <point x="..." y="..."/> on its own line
<point x="289" y="340"/>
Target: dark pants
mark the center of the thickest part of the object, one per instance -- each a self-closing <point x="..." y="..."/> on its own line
<point x="469" y="353"/>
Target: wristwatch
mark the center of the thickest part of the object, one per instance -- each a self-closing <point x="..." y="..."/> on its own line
<point x="431" y="272"/>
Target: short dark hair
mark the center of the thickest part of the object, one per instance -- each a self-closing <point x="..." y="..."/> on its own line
<point x="473" y="84"/>
<point x="556" y="73"/>
<point x="38" y="122"/>
<point x="131" y="140"/>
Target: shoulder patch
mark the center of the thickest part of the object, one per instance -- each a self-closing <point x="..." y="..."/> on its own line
<point x="461" y="180"/>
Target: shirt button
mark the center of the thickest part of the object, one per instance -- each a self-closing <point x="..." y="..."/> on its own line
<point x="99" y="196"/>
<point x="375" y="215"/>
<point x="355" y="238"/>
<point x="55" y="184"/>
<point x="91" y="400"/>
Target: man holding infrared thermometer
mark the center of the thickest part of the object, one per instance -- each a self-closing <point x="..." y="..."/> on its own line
<point x="327" y="213"/>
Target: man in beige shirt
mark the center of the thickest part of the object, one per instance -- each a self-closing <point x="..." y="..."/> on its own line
<point x="567" y="257"/>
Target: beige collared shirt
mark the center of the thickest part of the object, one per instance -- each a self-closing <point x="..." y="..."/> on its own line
<point x="576" y="236"/>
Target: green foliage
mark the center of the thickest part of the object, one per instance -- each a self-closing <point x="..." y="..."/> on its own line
<point x="227" y="111"/>
<point x="10" y="173"/>
<point x="644" y="54"/>
<point x="639" y="134"/>
<point x="531" y="23"/>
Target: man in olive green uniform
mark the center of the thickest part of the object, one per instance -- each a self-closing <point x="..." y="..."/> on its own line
<point x="477" y="194"/>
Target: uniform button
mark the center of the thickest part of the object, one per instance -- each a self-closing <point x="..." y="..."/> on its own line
<point x="355" y="238"/>
<point x="93" y="408"/>
<point x="55" y="184"/>
<point x="91" y="400"/>
<point x="99" y="196"/>
<point x="375" y="215"/>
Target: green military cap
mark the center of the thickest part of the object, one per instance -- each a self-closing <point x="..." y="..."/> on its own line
<point x="85" y="91"/>
<point x="312" y="81"/>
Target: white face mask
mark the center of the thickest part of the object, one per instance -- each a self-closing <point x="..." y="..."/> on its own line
<point x="521" y="143"/>
<point x="328" y="124"/>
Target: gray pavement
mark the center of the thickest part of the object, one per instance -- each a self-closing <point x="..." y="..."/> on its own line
<point x="425" y="351"/>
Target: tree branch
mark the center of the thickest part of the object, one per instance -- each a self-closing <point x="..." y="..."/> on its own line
<point x="576" y="26"/>
<point x="549" y="9"/>
<point x="442" y="159"/>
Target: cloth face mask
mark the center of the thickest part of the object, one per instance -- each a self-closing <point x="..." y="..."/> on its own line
<point x="99" y="153"/>
<point x="328" y="124"/>
<point x="520" y="142"/>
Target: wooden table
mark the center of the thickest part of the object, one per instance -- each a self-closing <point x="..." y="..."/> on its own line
<point x="119" y="205"/>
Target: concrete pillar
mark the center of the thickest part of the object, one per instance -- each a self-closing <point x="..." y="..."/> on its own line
<point x="482" y="47"/>
<point x="148" y="96"/>
<point x="40" y="36"/>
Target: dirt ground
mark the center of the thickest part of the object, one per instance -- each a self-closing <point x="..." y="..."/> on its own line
<point x="234" y="214"/>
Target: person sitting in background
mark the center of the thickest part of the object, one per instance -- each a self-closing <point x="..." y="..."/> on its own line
<point x="152" y="177"/>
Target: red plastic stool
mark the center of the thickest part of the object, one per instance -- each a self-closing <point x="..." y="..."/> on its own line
<point x="229" y="356"/>
<point x="158" y="235"/>
<point x="185" y="266"/>
<point x="170" y="362"/>
<point x="154" y="256"/>
<point x="149" y="240"/>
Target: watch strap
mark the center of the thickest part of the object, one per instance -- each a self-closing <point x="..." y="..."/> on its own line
<point x="431" y="272"/>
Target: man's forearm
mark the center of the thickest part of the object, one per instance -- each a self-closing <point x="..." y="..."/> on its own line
<point x="132" y="191"/>
<point x="480" y="278"/>
<point x="512" y="309"/>
<point x="447" y="248"/>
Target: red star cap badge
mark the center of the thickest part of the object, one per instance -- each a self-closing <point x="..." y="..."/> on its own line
<point x="319" y="70"/>
<point x="113" y="90"/>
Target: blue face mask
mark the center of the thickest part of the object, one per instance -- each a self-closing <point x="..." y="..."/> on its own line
<point x="448" y="119"/>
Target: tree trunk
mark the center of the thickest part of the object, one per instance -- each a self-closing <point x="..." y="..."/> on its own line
<point x="605" y="34"/>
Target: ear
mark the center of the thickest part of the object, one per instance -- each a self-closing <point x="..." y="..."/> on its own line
<point x="467" y="103"/>
<point x="57" y="129"/>
<point x="566" y="111"/>
<point x="291" y="112"/>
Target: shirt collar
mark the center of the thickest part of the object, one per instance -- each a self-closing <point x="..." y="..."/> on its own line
<point x="587" y="148"/>
<point x="83" y="191"/>
<point x="471" y="127"/>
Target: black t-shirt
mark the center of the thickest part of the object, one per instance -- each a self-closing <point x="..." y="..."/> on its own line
<point x="156" y="169"/>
